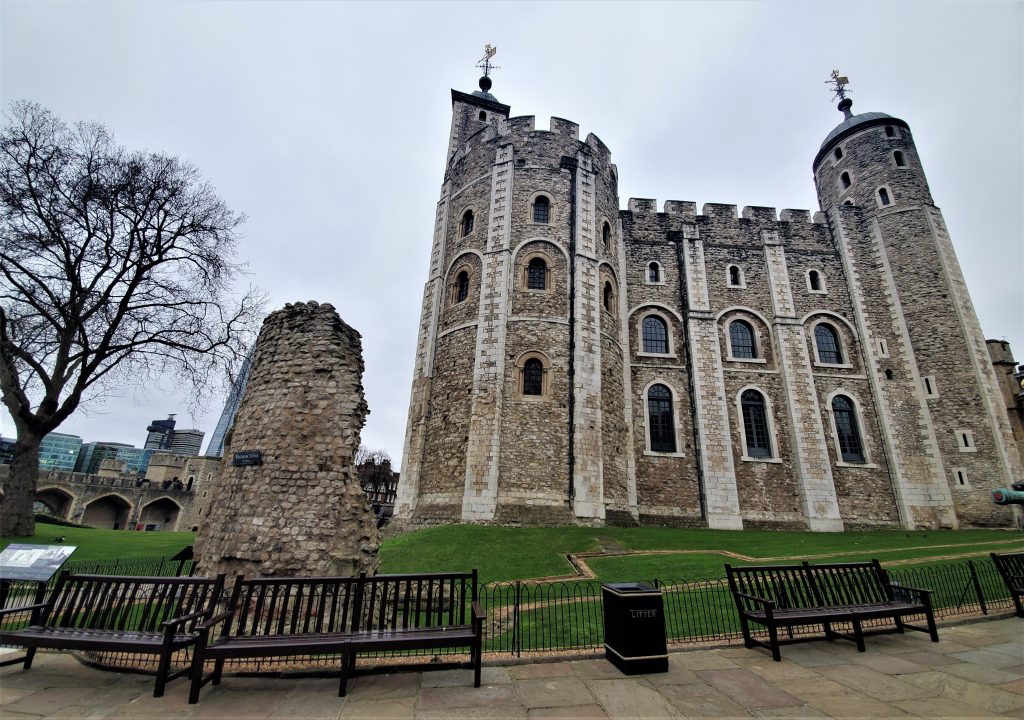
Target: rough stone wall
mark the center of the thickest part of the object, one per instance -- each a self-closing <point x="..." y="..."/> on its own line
<point x="1006" y="369"/>
<point x="302" y="511"/>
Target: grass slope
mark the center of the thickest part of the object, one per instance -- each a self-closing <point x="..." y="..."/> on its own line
<point x="514" y="553"/>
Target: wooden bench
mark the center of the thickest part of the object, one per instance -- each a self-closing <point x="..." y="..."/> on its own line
<point x="786" y="596"/>
<point x="1011" y="568"/>
<point x="149" y="615"/>
<point x="281" y="617"/>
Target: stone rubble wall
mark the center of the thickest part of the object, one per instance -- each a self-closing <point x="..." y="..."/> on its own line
<point x="302" y="511"/>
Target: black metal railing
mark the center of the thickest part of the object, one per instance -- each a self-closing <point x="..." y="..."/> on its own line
<point x="535" y="618"/>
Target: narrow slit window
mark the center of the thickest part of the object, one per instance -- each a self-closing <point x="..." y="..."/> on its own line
<point x="898" y="157"/>
<point x="653" y="273"/>
<point x="961" y="477"/>
<point x="845" y="178"/>
<point x="533" y="377"/>
<point x="660" y="421"/>
<point x="850" y="447"/>
<point x="608" y="296"/>
<point x="838" y="153"/>
<point x="537" y="274"/>
<point x="541" y="210"/>
<point x="883" y="196"/>
<point x="735" y="276"/>
<point x="890" y="131"/>
<point x="814" y="279"/>
<point x="462" y="289"/>
<point x="467" y="223"/>
<point x="606" y="237"/>
<point x="755" y="424"/>
<point x="482" y="115"/>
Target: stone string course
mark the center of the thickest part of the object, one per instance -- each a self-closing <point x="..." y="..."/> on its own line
<point x="478" y="450"/>
<point x="302" y="512"/>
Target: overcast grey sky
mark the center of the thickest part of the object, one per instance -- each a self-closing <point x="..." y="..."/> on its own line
<point x="327" y="124"/>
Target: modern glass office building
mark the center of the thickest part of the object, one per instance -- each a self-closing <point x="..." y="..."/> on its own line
<point x="59" y="451"/>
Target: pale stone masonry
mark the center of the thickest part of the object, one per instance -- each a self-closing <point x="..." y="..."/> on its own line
<point x="860" y="393"/>
<point x="302" y="510"/>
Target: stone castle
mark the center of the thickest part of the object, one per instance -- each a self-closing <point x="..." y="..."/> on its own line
<point x="578" y="363"/>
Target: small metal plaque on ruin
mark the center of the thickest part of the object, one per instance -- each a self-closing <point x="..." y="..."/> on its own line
<point x="248" y="457"/>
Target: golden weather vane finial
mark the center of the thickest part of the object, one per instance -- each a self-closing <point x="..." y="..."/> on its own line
<point x="485" y="61"/>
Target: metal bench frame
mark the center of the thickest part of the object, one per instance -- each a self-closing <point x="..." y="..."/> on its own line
<point x="1011" y="569"/>
<point x="786" y="596"/>
<point x="280" y="617"/>
<point x="115" y="613"/>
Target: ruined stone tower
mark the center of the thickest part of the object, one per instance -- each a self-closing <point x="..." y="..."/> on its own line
<point x="578" y="363"/>
<point x="299" y="508"/>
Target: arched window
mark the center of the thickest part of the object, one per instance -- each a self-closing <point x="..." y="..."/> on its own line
<point x="608" y="296"/>
<point x="890" y="131"/>
<point x="827" y="340"/>
<point x="482" y="115"/>
<point x="814" y="280"/>
<point x="850" y="447"/>
<point x="606" y="237"/>
<point x="898" y="157"/>
<point x="655" y="334"/>
<point x="838" y="152"/>
<point x="654" y="272"/>
<point x="883" y="196"/>
<point x="845" y="177"/>
<point x="541" y="210"/>
<point x="735" y="276"/>
<point x="462" y="286"/>
<point x="467" y="223"/>
<point x="537" y="274"/>
<point x="741" y="339"/>
<point x="533" y="377"/>
<point x="755" y="424"/>
<point x="659" y="419"/>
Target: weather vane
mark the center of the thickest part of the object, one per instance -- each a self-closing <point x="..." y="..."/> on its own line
<point x="838" y="85"/>
<point x="485" y="62"/>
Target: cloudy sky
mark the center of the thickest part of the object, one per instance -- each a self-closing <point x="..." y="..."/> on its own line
<point x="326" y="123"/>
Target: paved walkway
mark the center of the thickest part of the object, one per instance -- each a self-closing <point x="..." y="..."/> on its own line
<point x="976" y="671"/>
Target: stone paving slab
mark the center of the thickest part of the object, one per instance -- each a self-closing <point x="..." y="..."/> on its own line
<point x="975" y="671"/>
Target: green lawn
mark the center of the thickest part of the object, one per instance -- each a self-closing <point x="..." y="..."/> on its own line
<point x="96" y="544"/>
<point x="517" y="553"/>
<point x="521" y="553"/>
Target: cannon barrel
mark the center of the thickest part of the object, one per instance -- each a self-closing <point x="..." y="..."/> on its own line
<point x="1005" y="496"/>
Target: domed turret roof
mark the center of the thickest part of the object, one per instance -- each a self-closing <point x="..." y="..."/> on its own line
<point x="852" y="122"/>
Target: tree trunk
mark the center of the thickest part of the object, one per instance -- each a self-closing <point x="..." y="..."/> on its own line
<point x="16" y="516"/>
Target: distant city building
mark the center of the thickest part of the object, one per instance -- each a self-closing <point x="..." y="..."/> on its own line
<point x="59" y="451"/>
<point x="136" y="460"/>
<point x="186" y="442"/>
<point x="227" y="416"/>
<point x="93" y="453"/>
<point x="160" y="434"/>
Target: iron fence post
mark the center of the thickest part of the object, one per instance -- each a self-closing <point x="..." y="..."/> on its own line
<point x="516" y="632"/>
<point x="977" y="587"/>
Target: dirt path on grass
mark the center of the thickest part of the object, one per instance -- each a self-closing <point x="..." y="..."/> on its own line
<point x="583" y="571"/>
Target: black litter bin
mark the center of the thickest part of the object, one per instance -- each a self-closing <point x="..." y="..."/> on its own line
<point x="634" y="628"/>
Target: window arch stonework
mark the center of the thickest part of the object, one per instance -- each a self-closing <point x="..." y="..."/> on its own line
<point x="762" y="351"/>
<point x="541" y="209"/>
<point x="533" y="375"/>
<point x="846" y="421"/>
<point x="654" y="335"/>
<point x="756" y="423"/>
<point x="832" y="346"/>
<point x="654" y="273"/>
<point x="462" y="281"/>
<point x="661" y="421"/>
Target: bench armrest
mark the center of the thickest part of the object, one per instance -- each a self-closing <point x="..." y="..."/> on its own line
<point x="909" y="593"/>
<point x="478" y="611"/>
<point x="24" y="608"/>
<point x="218" y="618"/>
<point x="753" y="598"/>
<point x="183" y="619"/>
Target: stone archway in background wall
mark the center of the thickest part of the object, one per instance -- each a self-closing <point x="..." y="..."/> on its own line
<point x="109" y="512"/>
<point x="161" y="514"/>
<point x="54" y="502"/>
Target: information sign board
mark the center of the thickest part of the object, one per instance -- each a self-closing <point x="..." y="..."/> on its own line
<point x="33" y="562"/>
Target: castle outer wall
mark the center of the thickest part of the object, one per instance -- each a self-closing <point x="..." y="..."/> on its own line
<point x="606" y="388"/>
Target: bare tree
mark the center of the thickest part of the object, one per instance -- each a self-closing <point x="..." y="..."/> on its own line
<point x="116" y="268"/>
